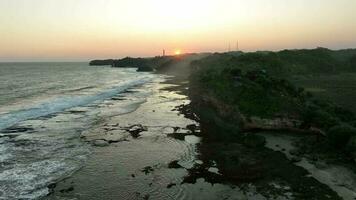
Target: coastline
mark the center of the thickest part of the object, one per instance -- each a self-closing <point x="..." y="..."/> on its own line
<point x="127" y="156"/>
<point x="190" y="160"/>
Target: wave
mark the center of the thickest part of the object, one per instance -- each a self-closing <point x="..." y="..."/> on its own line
<point x="65" y="102"/>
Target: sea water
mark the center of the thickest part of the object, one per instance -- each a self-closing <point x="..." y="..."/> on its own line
<point x="43" y="109"/>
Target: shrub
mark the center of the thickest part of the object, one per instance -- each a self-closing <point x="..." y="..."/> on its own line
<point x="314" y="115"/>
<point x="339" y="136"/>
<point x="351" y="145"/>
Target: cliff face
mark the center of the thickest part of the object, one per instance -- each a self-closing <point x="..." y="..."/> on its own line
<point x="245" y="123"/>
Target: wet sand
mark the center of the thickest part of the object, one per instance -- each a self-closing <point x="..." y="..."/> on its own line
<point x="137" y="166"/>
<point x="152" y="164"/>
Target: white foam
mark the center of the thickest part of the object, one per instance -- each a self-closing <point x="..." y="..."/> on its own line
<point x="29" y="181"/>
<point x="66" y="102"/>
<point x="53" y="150"/>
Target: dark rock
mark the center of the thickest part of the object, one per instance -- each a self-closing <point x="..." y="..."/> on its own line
<point x="254" y="141"/>
<point x="177" y="136"/>
<point x="171" y="185"/>
<point x="76" y="111"/>
<point x="147" y="170"/>
<point x="145" y="69"/>
<point x="51" y="187"/>
<point x="295" y="159"/>
<point x="130" y="62"/>
<point x="101" y="62"/>
<point x="146" y="197"/>
<point x="71" y="188"/>
<point x="174" y="165"/>
<point x="192" y="127"/>
<point x="17" y="129"/>
<point x="294" y="152"/>
<point x="135" y="130"/>
<point x="117" y="98"/>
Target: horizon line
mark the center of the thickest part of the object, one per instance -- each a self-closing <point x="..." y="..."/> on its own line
<point x="50" y="60"/>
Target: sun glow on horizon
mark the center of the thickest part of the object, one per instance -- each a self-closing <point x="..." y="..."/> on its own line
<point x="82" y="29"/>
<point x="177" y="52"/>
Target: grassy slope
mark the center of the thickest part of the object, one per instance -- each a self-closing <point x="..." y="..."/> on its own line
<point x="273" y="95"/>
<point x="270" y="92"/>
<point x="339" y="88"/>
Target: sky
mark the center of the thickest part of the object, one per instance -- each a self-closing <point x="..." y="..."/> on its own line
<point x="71" y="30"/>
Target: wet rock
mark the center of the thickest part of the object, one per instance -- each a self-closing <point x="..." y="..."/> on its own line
<point x="146" y="197"/>
<point x="76" y="111"/>
<point x="114" y="125"/>
<point x="294" y="152"/>
<point x="117" y="98"/>
<point x="200" y="171"/>
<point x="321" y="165"/>
<point x="147" y="170"/>
<point x="9" y="135"/>
<point x="254" y="141"/>
<point x="136" y="129"/>
<point x="178" y="136"/>
<point x="192" y="127"/>
<point x="51" y="188"/>
<point x="174" y="165"/>
<point x="17" y="129"/>
<point x="145" y="68"/>
<point x="295" y="159"/>
<point x="171" y="185"/>
<point x="71" y="188"/>
<point x="109" y="129"/>
<point x="100" y="143"/>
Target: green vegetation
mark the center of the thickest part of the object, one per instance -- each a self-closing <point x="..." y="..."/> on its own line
<point x="143" y="64"/>
<point x="263" y="85"/>
<point x="339" y="88"/>
<point x="339" y="136"/>
<point x="288" y="62"/>
<point x="254" y="93"/>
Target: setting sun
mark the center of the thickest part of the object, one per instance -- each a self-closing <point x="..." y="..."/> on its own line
<point x="177" y="52"/>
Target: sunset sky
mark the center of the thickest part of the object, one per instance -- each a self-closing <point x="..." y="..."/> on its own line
<point x="37" y="30"/>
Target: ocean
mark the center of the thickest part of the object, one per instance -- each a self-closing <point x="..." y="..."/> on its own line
<point x="43" y="109"/>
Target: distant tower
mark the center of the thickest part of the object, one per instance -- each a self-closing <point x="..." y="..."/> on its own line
<point x="229" y="47"/>
<point x="237" y="45"/>
<point x="164" y="52"/>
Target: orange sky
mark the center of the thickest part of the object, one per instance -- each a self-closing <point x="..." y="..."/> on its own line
<point x="87" y="29"/>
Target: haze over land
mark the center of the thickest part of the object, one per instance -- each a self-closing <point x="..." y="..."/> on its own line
<point x="42" y="30"/>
